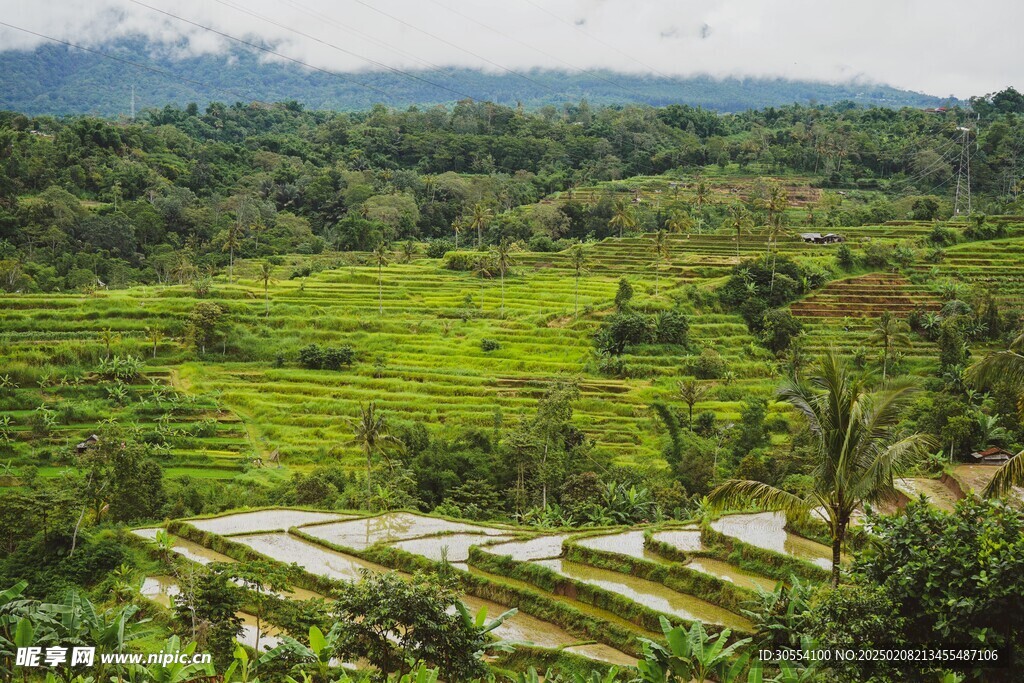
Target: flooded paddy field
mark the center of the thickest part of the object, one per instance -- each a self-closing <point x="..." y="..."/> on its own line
<point x="187" y="549"/>
<point x="648" y="593"/>
<point x="160" y="589"/>
<point x="686" y="540"/>
<point x="731" y="573"/>
<point x="629" y="543"/>
<point x="540" y="548"/>
<point x="767" y="530"/>
<point x="453" y="547"/>
<point x="262" y="520"/>
<point x="360" y="534"/>
<point x="315" y="559"/>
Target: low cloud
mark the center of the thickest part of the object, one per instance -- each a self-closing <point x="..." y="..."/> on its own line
<point x="932" y="46"/>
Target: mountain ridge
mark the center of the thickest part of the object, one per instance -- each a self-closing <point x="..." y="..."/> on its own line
<point x="58" y="80"/>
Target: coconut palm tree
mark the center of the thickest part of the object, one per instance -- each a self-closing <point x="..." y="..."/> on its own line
<point x="578" y="261"/>
<point x="154" y="337"/>
<point x="857" y="449"/>
<point x="622" y="217"/>
<point x="458" y="225"/>
<point x="890" y="332"/>
<point x="232" y="241"/>
<point x="679" y="221"/>
<point x="380" y="258"/>
<point x="266" y="276"/>
<point x="370" y="434"/>
<point x="1003" y="366"/>
<point x="741" y="222"/>
<point x="482" y="215"/>
<point x="691" y="391"/>
<point x="504" y="259"/>
<point x="661" y="254"/>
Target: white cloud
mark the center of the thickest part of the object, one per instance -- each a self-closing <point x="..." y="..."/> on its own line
<point x="935" y="46"/>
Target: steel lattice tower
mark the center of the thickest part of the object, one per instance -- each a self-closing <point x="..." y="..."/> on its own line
<point x="963" y="175"/>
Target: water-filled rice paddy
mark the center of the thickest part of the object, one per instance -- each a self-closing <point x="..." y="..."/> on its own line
<point x="767" y="530"/>
<point x="451" y="547"/>
<point x="360" y="534"/>
<point x="262" y="520"/>
<point x="540" y="548"/>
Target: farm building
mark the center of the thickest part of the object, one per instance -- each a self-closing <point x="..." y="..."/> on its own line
<point x="84" y="445"/>
<point x="993" y="455"/>
<point x="818" y="238"/>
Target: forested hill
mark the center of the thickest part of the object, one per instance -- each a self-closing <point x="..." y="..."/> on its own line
<point x="61" y="80"/>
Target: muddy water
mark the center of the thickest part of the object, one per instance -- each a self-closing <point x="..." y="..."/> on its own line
<point x="269" y="639"/>
<point x="362" y="533"/>
<point x="160" y="589"/>
<point x="767" y="530"/>
<point x="297" y="593"/>
<point x="603" y="653"/>
<point x="314" y="559"/>
<point x="261" y="520"/>
<point x="626" y="543"/>
<point x="187" y="549"/>
<point x="434" y="547"/>
<point x="540" y="548"/>
<point x="686" y="540"/>
<point x="731" y="573"/>
<point x="649" y="593"/>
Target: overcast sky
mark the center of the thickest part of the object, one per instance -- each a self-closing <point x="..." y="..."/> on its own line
<point x="932" y="46"/>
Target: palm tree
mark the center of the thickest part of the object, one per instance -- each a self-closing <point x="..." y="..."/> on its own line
<point x="408" y="250"/>
<point x="578" y="261"/>
<point x="482" y="215"/>
<point x="154" y="336"/>
<point x="679" y="221"/>
<point x="370" y="433"/>
<point x="700" y="198"/>
<point x="622" y="216"/>
<point x="890" y="332"/>
<point x="857" y="449"/>
<point x="504" y="258"/>
<point x="691" y="391"/>
<point x="380" y="258"/>
<point x="998" y="367"/>
<point x="232" y="241"/>
<point x="458" y="225"/>
<point x="740" y="221"/>
<point x="266" y="276"/>
<point x="661" y="253"/>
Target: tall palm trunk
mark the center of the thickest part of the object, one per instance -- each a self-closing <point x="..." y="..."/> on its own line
<point x="380" y="291"/>
<point x="837" y="551"/>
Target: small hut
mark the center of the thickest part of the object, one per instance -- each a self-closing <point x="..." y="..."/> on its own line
<point x="993" y="455"/>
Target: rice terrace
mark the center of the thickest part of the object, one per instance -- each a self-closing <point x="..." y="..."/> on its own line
<point x="362" y="375"/>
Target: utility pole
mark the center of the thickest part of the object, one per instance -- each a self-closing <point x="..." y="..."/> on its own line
<point x="963" y="174"/>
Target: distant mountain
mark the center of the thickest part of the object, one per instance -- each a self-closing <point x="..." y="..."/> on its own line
<point x="54" y="79"/>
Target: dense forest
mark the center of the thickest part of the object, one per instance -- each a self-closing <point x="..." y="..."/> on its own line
<point x="267" y="179"/>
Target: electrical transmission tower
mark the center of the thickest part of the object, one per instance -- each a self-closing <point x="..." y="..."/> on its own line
<point x="963" y="175"/>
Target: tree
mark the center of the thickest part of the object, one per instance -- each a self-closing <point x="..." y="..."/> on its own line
<point x="578" y="261"/>
<point x="232" y="241"/>
<point x="371" y="435"/>
<point x="266" y="276"/>
<point x="154" y="337"/>
<point x="692" y="656"/>
<point x="623" y="295"/>
<point x="204" y="323"/>
<point x="890" y="332"/>
<point x="504" y="258"/>
<point x="458" y="225"/>
<point x="622" y="216"/>
<point x="741" y="222"/>
<point x="661" y="254"/>
<point x="691" y="391"/>
<point x="380" y="259"/>
<point x="481" y="218"/>
<point x="1003" y="366"/>
<point x="679" y="221"/>
<point x="264" y="580"/>
<point x="857" y="450"/>
<point x="394" y="622"/>
<point x="209" y="610"/>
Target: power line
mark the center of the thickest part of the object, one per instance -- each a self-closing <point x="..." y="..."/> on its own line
<point x="262" y="48"/>
<point x="343" y="50"/>
<point x="534" y="48"/>
<point x="963" y="174"/>
<point x="545" y="10"/>
<point x="451" y="44"/>
<point x="145" y="67"/>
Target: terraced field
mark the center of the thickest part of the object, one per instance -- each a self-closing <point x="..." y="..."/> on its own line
<point x="422" y="358"/>
<point x="342" y="550"/>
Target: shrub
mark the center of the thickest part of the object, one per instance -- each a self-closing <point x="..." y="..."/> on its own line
<point x="542" y="243"/>
<point x="623" y="330"/>
<point x="438" y="248"/>
<point x="709" y="365"/>
<point x="845" y="258"/>
<point x="336" y="358"/>
<point x="311" y="357"/>
<point x="490" y="344"/>
<point x="461" y="261"/>
<point x="778" y="328"/>
<point x="673" y="328"/>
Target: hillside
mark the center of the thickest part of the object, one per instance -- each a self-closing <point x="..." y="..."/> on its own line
<point x="60" y="80"/>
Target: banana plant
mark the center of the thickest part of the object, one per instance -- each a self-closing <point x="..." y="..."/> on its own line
<point x="482" y="626"/>
<point x="690" y="656"/>
<point x="173" y="672"/>
<point x="319" y="652"/>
